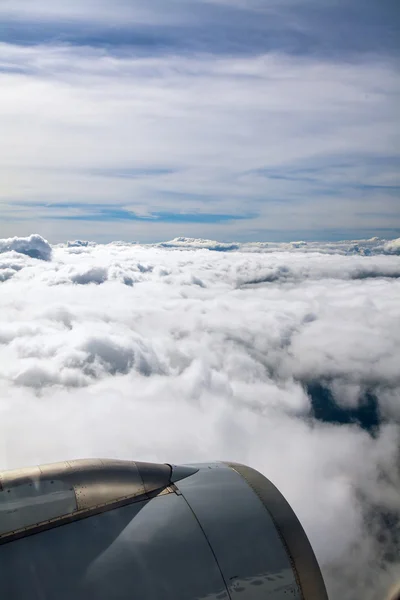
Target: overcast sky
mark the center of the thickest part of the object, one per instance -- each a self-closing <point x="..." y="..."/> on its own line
<point x="226" y="119"/>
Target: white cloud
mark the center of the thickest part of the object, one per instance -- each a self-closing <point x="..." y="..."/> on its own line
<point x="393" y="246"/>
<point x="165" y="353"/>
<point x="34" y="246"/>
<point x="373" y="246"/>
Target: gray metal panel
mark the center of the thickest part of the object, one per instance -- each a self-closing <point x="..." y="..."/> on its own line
<point x="154" y="476"/>
<point x="29" y="503"/>
<point x="150" y="550"/>
<point x="289" y="527"/>
<point x="34" y="497"/>
<point x="242" y="534"/>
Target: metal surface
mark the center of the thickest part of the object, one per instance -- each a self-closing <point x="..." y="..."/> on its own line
<point x="154" y="476"/>
<point x="36" y="498"/>
<point x="250" y="553"/>
<point x="29" y="503"/>
<point x="150" y="550"/>
<point x="151" y="531"/>
<point x="181" y="472"/>
<point x="291" y="532"/>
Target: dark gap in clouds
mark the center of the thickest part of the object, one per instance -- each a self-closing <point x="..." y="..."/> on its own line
<point x="325" y="409"/>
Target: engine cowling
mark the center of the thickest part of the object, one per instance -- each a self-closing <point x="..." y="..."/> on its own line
<point x="102" y="529"/>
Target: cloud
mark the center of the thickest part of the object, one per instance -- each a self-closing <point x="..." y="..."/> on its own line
<point x="192" y="243"/>
<point x="218" y="26"/>
<point x="166" y="352"/>
<point x="373" y="246"/>
<point x="393" y="246"/>
<point x="274" y="140"/>
<point x="34" y="246"/>
<point x="94" y="275"/>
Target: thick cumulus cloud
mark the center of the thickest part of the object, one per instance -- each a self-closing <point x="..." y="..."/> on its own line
<point x="34" y="246"/>
<point x="285" y="357"/>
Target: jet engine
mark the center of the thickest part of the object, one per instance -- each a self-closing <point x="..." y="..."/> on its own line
<point x="112" y="529"/>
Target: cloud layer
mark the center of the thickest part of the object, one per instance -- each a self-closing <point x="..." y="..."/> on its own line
<point x="243" y="120"/>
<point x="284" y="357"/>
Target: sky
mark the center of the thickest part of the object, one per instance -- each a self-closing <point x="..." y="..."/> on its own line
<point x="284" y="357"/>
<point x="237" y="120"/>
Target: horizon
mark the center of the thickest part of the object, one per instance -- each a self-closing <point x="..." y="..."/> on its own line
<point x="182" y="239"/>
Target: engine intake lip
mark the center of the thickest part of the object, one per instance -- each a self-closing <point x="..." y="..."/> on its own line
<point x="291" y="532"/>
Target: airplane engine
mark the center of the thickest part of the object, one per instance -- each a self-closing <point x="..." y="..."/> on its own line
<point x="113" y="529"/>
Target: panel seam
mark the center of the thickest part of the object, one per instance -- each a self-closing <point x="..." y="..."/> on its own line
<point x="209" y="545"/>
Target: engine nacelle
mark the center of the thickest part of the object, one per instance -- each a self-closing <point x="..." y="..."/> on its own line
<point x="110" y="529"/>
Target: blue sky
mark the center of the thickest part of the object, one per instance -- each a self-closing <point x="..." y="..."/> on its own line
<point x="239" y="119"/>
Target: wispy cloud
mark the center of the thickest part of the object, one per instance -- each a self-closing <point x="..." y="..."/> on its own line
<point x="250" y="120"/>
<point x="336" y="28"/>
